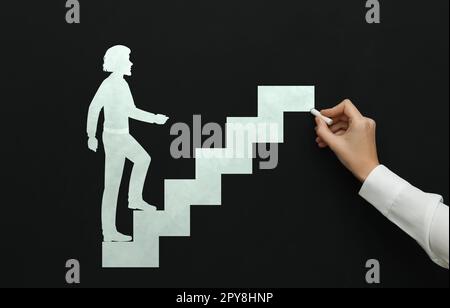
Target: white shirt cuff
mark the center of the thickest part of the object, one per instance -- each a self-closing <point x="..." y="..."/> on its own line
<point x="381" y="188"/>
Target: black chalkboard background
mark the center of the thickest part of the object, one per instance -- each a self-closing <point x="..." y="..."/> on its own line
<point x="301" y="225"/>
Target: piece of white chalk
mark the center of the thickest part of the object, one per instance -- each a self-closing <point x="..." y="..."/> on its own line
<point x="317" y="113"/>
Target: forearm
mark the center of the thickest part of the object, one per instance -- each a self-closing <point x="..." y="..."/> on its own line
<point x="421" y="215"/>
<point x="92" y="120"/>
<point x="142" y="115"/>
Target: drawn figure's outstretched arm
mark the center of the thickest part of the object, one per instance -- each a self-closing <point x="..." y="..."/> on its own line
<point x="147" y="117"/>
<point x="141" y="115"/>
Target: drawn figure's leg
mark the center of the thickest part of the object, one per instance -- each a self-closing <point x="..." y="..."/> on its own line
<point x="141" y="160"/>
<point x="114" y="163"/>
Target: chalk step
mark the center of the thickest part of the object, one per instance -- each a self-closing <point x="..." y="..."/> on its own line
<point x="152" y="225"/>
<point x="131" y="255"/>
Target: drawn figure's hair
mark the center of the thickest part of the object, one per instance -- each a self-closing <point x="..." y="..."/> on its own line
<point x="113" y="55"/>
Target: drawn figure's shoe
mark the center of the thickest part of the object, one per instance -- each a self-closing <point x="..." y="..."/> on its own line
<point x="141" y="206"/>
<point x="117" y="237"/>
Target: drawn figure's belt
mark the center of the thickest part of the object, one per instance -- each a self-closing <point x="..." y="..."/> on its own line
<point x="122" y="131"/>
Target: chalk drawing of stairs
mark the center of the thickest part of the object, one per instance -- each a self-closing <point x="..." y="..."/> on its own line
<point x="206" y="188"/>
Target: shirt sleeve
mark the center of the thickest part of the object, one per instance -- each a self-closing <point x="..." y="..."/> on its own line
<point x="94" y="109"/>
<point x="421" y="215"/>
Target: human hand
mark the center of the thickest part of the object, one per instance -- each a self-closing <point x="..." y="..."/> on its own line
<point x="93" y="144"/>
<point x="161" y="119"/>
<point x="351" y="138"/>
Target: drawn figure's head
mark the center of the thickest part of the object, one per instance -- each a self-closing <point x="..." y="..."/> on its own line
<point x="117" y="60"/>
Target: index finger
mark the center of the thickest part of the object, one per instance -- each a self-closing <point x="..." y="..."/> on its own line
<point x="345" y="108"/>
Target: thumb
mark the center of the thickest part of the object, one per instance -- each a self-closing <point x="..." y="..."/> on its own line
<point x="324" y="132"/>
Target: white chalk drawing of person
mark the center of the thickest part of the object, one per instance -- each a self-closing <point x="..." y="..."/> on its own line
<point x="115" y="98"/>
